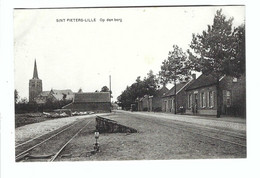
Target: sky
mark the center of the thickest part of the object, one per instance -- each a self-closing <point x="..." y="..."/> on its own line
<point x="82" y="54"/>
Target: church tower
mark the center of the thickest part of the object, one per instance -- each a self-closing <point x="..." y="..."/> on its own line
<point x="35" y="84"/>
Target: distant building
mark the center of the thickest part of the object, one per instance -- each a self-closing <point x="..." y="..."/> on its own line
<point x="41" y="97"/>
<point x="143" y="103"/>
<point x="35" y="84"/>
<point x="202" y="96"/>
<point x="168" y="104"/>
<point x="91" y="101"/>
<point x="152" y="103"/>
<point x="155" y="102"/>
<point x="115" y="106"/>
<point x="54" y="95"/>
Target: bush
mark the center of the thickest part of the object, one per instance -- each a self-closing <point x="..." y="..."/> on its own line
<point x="34" y="107"/>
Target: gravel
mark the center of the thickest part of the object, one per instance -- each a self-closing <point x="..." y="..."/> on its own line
<point x="36" y="129"/>
<point x="152" y="142"/>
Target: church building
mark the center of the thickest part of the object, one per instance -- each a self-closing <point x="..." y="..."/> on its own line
<point x="40" y="97"/>
<point x="35" y="85"/>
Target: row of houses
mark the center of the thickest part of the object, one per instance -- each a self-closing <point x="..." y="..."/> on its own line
<point x="199" y="96"/>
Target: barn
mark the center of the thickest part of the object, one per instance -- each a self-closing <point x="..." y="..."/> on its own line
<point x="90" y="101"/>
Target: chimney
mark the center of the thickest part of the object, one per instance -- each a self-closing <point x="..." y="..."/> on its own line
<point x="194" y="76"/>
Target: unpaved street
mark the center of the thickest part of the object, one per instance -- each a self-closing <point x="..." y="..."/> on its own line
<point x="161" y="138"/>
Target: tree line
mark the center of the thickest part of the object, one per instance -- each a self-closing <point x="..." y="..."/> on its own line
<point x="219" y="50"/>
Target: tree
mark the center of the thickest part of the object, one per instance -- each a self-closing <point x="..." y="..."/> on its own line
<point x="151" y="82"/>
<point x="219" y="50"/>
<point x="147" y="86"/>
<point x="174" y="69"/>
<point x="24" y="101"/>
<point x="16" y="96"/>
<point x="104" y="89"/>
<point x="238" y="52"/>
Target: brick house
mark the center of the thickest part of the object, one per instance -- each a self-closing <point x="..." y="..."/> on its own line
<point x="143" y="103"/>
<point x="155" y="102"/>
<point x="152" y="103"/>
<point x="202" y="96"/>
<point x="168" y="100"/>
<point x="90" y="101"/>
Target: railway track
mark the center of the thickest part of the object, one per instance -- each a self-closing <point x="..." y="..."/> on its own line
<point x="230" y="137"/>
<point x="48" y="148"/>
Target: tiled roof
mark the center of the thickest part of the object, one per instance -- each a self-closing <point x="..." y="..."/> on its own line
<point x="44" y="93"/>
<point x="163" y="91"/>
<point x="58" y="94"/>
<point x="97" y="97"/>
<point x="202" y="81"/>
<point x="179" y="86"/>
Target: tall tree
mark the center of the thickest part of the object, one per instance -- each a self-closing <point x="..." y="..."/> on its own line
<point x="238" y="52"/>
<point x="174" y="69"/>
<point x="104" y="89"/>
<point x="218" y="50"/>
<point x="151" y="82"/>
<point x="147" y="86"/>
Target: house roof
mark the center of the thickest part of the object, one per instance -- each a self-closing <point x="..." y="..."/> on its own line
<point x="58" y="94"/>
<point x="44" y="93"/>
<point x="202" y="81"/>
<point x="163" y="91"/>
<point x="179" y="87"/>
<point x="97" y="97"/>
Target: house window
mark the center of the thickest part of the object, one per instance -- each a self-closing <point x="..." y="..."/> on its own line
<point x="203" y="100"/>
<point x="228" y="98"/>
<point x="211" y="99"/>
<point x="189" y="100"/>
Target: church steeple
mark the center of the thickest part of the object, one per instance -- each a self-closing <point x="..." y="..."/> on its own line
<point x="35" y="73"/>
<point x="35" y="84"/>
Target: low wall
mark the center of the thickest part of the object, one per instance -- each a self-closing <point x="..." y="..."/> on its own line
<point x="104" y="125"/>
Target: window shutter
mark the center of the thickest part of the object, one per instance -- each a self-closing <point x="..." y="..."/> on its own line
<point x="213" y="98"/>
<point x="208" y="99"/>
<point x="201" y="100"/>
<point x="188" y="100"/>
<point x="191" y="101"/>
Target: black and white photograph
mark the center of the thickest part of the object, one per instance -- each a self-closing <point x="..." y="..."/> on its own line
<point x="124" y="84"/>
<point x="116" y="84"/>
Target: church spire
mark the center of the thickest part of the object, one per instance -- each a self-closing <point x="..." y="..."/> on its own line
<point x="35" y="73"/>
